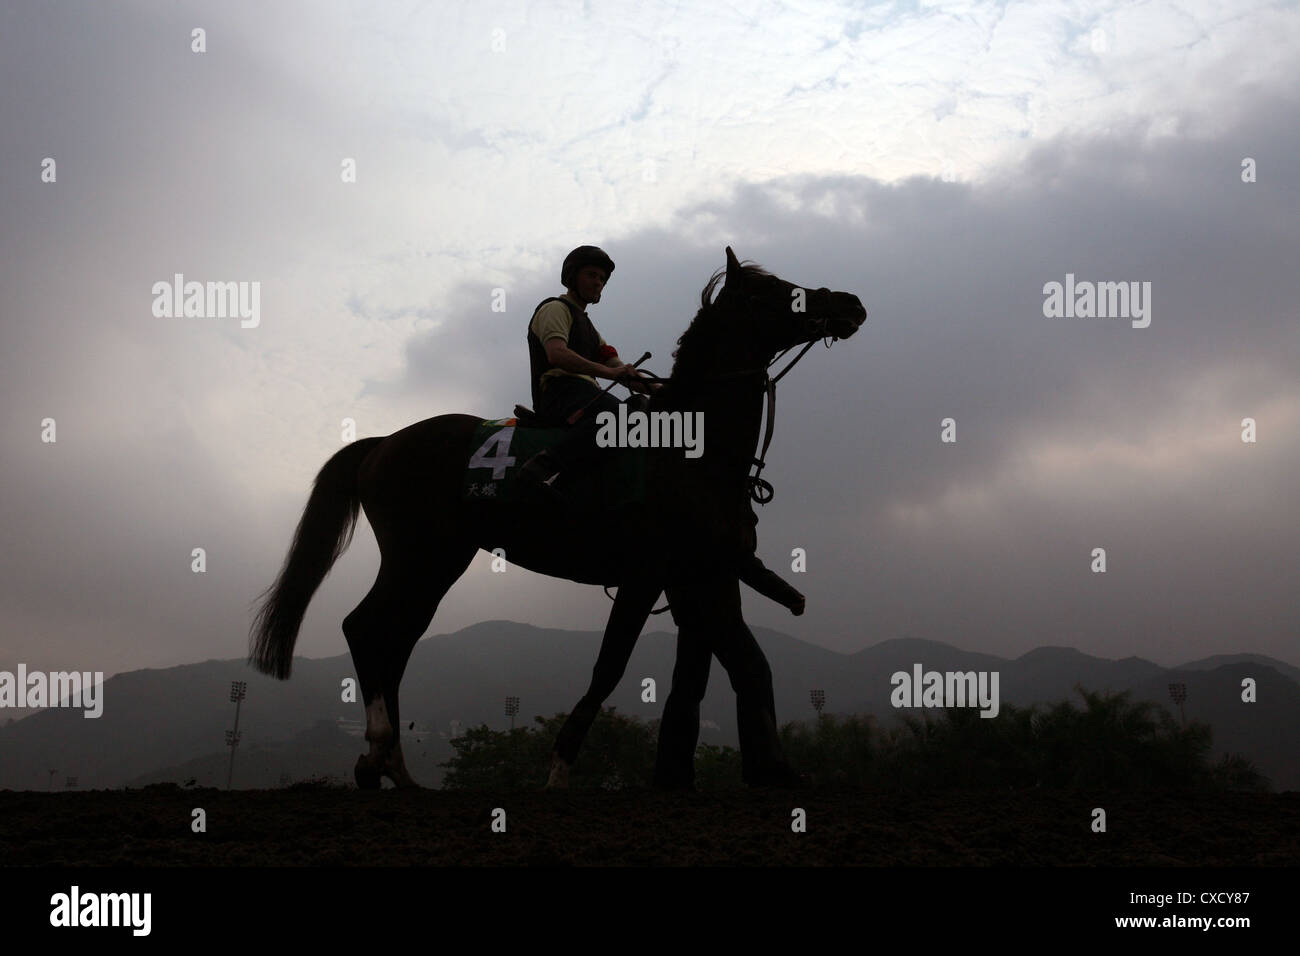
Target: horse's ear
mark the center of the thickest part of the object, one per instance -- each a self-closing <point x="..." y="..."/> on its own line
<point x="733" y="267"/>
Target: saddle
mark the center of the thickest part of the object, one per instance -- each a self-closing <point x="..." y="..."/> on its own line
<point x="502" y="446"/>
<point x="527" y="418"/>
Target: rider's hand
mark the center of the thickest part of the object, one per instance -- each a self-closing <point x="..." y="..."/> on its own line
<point x="620" y="373"/>
<point x="796" y="608"/>
<point x="630" y="376"/>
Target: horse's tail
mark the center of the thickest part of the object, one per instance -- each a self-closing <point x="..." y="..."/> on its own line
<point x="323" y="534"/>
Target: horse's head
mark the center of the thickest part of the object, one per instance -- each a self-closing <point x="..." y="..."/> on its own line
<point x="753" y="319"/>
<point x="780" y="314"/>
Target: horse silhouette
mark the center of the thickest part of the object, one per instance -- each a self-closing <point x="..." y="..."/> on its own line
<point x="689" y="533"/>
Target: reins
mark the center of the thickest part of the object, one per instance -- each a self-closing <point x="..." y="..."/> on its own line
<point x="760" y="489"/>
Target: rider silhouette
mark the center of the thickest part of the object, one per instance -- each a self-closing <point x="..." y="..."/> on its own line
<point x="566" y="355"/>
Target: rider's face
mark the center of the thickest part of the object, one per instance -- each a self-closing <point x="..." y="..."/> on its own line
<point x="591" y="279"/>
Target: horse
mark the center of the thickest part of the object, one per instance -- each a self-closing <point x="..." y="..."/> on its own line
<point x="688" y="530"/>
<point x="721" y="363"/>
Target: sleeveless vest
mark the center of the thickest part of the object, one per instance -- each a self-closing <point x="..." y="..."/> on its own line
<point x="583" y="339"/>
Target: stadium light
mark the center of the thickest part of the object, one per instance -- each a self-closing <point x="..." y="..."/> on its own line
<point x="1179" y="694"/>
<point x="238" y="691"/>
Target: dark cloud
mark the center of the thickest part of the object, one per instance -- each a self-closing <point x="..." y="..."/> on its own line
<point x="1072" y="433"/>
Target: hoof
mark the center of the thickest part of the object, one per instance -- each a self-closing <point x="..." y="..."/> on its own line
<point x="559" y="778"/>
<point x="365" y="774"/>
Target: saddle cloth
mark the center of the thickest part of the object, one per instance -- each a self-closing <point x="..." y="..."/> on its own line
<point x="502" y="446"/>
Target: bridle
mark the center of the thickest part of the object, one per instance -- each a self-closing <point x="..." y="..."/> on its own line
<point x="760" y="489"/>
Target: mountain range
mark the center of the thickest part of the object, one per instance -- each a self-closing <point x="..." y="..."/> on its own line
<point x="169" y="724"/>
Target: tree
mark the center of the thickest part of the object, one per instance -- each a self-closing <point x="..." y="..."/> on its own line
<point x="619" y="753"/>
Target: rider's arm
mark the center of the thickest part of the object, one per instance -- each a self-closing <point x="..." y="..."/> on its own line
<point x="560" y="355"/>
<point x="552" y="325"/>
<point x="610" y="354"/>
<point x="638" y="385"/>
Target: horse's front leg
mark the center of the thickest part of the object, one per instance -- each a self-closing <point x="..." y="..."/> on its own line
<point x="679" y="728"/>
<point x="709" y="621"/>
<point x="632" y="605"/>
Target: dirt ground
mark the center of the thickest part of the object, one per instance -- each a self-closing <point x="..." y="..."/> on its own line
<point x="337" y="827"/>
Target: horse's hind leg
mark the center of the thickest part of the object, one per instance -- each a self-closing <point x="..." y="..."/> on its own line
<point x="381" y="633"/>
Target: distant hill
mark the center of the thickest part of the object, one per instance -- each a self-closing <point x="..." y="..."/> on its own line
<point x="1220" y="660"/>
<point x="170" y="723"/>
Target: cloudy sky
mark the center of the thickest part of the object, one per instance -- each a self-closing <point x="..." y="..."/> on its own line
<point x="941" y="161"/>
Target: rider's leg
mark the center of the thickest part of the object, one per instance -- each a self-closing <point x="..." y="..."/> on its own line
<point x="560" y="399"/>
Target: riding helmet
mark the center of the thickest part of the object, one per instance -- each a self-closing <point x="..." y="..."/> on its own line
<point x="581" y="257"/>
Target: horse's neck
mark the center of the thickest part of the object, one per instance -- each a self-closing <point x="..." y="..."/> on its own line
<point x="737" y="414"/>
<point x="732" y="416"/>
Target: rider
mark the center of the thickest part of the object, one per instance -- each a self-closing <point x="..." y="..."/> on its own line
<point x="566" y="355"/>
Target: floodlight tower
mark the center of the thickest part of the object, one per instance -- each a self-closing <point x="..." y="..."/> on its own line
<point x="1179" y="694"/>
<point x="512" y="708"/>
<point x="818" y="700"/>
<point x="238" y="691"/>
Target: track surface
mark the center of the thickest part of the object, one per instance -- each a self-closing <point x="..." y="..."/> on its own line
<point x="321" y="827"/>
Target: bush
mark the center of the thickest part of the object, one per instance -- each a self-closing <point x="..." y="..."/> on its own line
<point x="617" y="754"/>
<point x="1112" y="742"/>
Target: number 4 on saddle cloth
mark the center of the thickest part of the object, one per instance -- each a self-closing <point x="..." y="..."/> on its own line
<point x="501" y="446"/>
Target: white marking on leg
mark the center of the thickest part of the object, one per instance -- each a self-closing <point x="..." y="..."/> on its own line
<point x="378" y="730"/>
<point x="559" y="778"/>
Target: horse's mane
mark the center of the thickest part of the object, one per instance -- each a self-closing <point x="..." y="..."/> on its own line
<point x="692" y="348"/>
